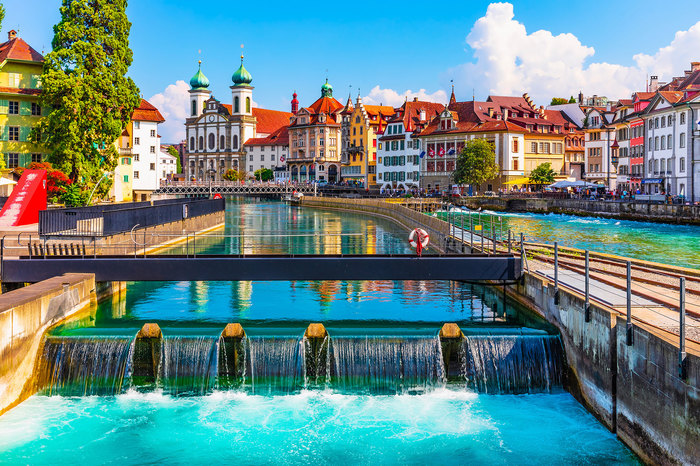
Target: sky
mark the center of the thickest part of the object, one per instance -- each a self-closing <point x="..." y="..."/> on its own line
<point x="392" y="50"/>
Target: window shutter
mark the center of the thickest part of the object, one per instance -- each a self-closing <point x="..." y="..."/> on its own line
<point x="24" y="160"/>
<point x="4" y="133"/>
<point x="25" y="108"/>
<point x="24" y="133"/>
<point x="4" y="107"/>
<point x="44" y="111"/>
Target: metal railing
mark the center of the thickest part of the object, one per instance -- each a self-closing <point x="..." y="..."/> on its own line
<point x="111" y="219"/>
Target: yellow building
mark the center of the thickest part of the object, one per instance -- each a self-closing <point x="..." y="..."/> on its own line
<point x="20" y="84"/>
<point x="361" y="148"/>
<point x="123" y="183"/>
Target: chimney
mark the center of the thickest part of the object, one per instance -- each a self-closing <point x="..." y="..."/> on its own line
<point x="11" y="35"/>
<point x="653" y="83"/>
<point x="505" y="114"/>
<point x="490" y="112"/>
<point x="415" y="99"/>
<point x="695" y="66"/>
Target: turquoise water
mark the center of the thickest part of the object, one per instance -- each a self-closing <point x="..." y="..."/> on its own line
<point x="447" y="423"/>
<point x="445" y="427"/>
<point x="669" y="244"/>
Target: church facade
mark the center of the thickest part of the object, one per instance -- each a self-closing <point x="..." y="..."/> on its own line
<point x="216" y="133"/>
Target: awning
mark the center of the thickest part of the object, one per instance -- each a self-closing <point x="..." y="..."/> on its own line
<point x="522" y="180"/>
<point x="6" y="182"/>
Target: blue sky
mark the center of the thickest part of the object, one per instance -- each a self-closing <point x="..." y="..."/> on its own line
<point x="396" y="46"/>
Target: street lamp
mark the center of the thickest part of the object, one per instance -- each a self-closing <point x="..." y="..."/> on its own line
<point x="211" y="173"/>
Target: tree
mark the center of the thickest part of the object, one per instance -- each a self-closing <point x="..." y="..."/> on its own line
<point x="572" y="100"/>
<point x="242" y="175"/>
<point x="84" y="85"/>
<point x="543" y="174"/>
<point x="263" y="174"/>
<point x="231" y="175"/>
<point x="172" y="151"/>
<point x="558" y="101"/>
<point x="476" y="163"/>
<point x="2" y="15"/>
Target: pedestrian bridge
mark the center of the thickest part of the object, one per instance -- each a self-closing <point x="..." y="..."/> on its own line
<point x="203" y="188"/>
<point x="472" y="267"/>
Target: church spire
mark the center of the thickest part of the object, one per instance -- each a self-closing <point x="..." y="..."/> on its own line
<point x="453" y="99"/>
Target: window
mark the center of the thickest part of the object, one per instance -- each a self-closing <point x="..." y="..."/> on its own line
<point x="682" y="164"/>
<point x="250" y="168"/>
<point x="13" y="133"/>
<point x="656" y="122"/>
<point x="36" y="158"/>
<point x="250" y="157"/>
<point x="153" y="150"/>
<point x="137" y="141"/>
<point x="136" y="157"/>
<point x="262" y="157"/>
<point x="681" y="143"/>
<point x="194" y="111"/>
<point x="533" y="147"/>
<point x="682" y="118"/>
<point x="650" y="144"/>
<point x="12" y="160"/>
<point x="669" y="141"/>
<point x="14" y="79"/>
<point x="515" y="164"/>
<point x="153" y="133"/>
<point x="137" y="124"/>
<point x="153" y="166"/>
<point x="656" y="143"/>
<point x="136" y="175"/>
<point x="515" y="146"/>
<point x="126" y="178"/>
<point x="13" y="108"/>
<point x="36" y="109"/>
<point x="663" y="143"/>
<point x="212" y="141"/>
<point x="222" y="142"/>
<point x="663" y="122"/>
<point x="201" y="143"/>
<point x="247" y="104"/>
<point x="236" y="105"/>
<point x="192" y="143"/>
<point x="235" y="141"/>
<point x="670" y="120"/>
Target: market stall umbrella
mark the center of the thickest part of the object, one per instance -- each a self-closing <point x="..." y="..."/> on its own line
<point x="523" y="180"/>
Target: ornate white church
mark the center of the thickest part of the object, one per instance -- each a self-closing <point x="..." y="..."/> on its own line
<point x="217" y="133"/>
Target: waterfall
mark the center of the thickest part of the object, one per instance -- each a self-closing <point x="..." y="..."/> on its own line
<point x="189" y="365"/>
<point x="276" y="365"/>
<point x="387" y="364"/>
<point x="512" y="364"/>
<point x="76" y="366"/>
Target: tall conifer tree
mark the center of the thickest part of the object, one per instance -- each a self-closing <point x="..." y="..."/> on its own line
<point x="86" y="91"/>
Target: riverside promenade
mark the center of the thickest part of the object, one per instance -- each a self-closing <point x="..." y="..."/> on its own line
<point x="633" y="361"/>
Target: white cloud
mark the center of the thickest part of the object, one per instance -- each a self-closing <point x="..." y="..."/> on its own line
<point x="173" y="103"/>
<point x="509" y="61"/>
<point x="390" y="97"/>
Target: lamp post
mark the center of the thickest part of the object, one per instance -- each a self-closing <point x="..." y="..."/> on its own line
<point x="211" y="173"/>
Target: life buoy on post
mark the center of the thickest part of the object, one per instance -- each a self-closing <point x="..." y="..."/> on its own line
<point x="419" y="240"/>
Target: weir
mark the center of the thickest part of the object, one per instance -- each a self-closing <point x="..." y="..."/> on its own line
<point x="391" y="364"/>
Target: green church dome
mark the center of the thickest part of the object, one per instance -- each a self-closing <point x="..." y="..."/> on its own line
<point x="199" y="81"/>
<point x="241" y="77"/>
<point x="327" y="90"/>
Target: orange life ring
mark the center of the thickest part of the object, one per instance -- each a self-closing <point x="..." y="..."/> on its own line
<point x="421" y="235"/>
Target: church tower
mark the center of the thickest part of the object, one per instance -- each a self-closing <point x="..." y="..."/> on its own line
<point x="242" y="92"/>
<point x="198" y="93"/>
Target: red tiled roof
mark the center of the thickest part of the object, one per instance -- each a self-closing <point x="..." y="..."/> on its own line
<point x="409" y="113"/>
<point x="375" y="109"/>
<point x="672" y="96"/>
<point x="14" y="90"/>
<point x="325" y="105"/>
<point x="147" y="112"/>
<point x="269" y="121"/>
<point x="279" y="138"/>
<point x="18" y="49"/>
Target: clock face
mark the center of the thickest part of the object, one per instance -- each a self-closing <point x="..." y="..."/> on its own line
<point x="211" y="117"/>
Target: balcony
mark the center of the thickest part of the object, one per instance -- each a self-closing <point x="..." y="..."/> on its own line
<point x="125" y="152"/>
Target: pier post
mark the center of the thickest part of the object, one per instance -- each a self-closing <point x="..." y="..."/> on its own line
<point x="317" y="342"/>
<point x="147" y="355"/>
<point x="231" y="355"/>
<point x="682" y="361"/>
<point x="587" y="287"/>
<point x="509" y="240"/>
<point x="630" y="333"/>
<point x="451" y="340"/>
<point x="556" y="273"/>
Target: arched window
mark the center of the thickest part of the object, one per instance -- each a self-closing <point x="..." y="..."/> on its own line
<point x="247" y="104"/>
<point x="235" y="105"/>
<point x="194" y="108"/>
<point x="235" y="141"/>
<point x="212" y="141"/>
<point x="192" y="143"/>
<point x="222" y="142"/>
<point x="201" y="142"/>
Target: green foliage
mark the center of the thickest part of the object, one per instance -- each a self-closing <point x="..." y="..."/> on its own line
<point x="172" y="151"/>
<point x="84" y="85"/>
<point x="263" y="174"/>
<point x="74" y="196"/>
<point x="231" y="175"/>
<point x="476" y="163"/>
<point x="558" y="101"/>
<point x="572" y="100"/>
<point x="543" y="174"/>
<point x="2" y="15"/>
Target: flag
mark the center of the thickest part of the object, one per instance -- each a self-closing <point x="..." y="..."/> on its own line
<point x="431" y="152"/>
<point x="451" y="152"/>
<point x="441" y="151"/>
<point x="422" y="154"/>
<point x="282" y="159"/>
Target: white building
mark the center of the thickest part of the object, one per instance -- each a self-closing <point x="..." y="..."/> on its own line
<point x="398" y="151"/>
<point x="216" y="132"/>
<point x="267" y="152"/>
<point x="673" y="144"/>
<point x="167" y="165"/>
<point x="599" y="140"/>
<point x="145" y="149"/>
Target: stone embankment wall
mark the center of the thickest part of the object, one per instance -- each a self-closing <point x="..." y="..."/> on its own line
<point x="407" y="218"/>
<point x="640" y="211"/>
<point x="25" y="316"/>
<point x="635" y="390"/>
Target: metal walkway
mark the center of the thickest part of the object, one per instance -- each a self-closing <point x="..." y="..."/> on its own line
<point x="475" y="267"/>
